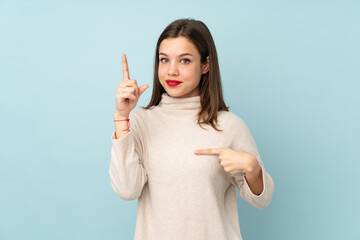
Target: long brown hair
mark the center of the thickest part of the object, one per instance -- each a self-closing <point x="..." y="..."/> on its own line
<point x="211" y="96"/>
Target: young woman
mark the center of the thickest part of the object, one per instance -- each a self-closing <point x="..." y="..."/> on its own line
<point x="183" y="155"/>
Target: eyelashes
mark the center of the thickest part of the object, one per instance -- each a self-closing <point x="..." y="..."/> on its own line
<point x="185" y="60"/>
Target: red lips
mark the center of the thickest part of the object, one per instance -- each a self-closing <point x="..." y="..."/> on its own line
<point x="172" y="83"/>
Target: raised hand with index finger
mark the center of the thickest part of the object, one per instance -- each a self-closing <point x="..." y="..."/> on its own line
<point x="128" y="92"/>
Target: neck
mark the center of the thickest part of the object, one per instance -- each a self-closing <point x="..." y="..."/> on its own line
<point x="188" y="103"/>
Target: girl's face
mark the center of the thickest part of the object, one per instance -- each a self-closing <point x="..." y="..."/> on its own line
<point x="179" y="60"/>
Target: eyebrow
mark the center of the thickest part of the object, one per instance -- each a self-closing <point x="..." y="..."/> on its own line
<point x="184" y="54"/>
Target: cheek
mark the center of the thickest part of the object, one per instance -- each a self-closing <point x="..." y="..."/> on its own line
<point x="189" y="72"/>
<point x="194" y="73"/>
<point x="161" y="72"/>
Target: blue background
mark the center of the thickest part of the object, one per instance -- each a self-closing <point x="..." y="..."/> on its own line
<point x="290" y="69"/>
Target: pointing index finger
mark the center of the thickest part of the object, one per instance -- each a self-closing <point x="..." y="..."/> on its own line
<point x="125" y="68"/>
<point x="209" y="151"/>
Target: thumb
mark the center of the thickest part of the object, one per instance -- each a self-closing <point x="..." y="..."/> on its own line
<point x="143" y="88"/>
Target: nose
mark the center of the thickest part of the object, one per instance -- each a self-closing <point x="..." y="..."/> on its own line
<point x="173" y="69"/>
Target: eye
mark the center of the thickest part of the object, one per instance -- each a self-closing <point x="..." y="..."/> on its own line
<point x="164" y="60"/>
<point x="185" y="60"/>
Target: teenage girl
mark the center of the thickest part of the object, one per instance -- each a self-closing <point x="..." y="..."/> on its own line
<point x="183" y="155"/>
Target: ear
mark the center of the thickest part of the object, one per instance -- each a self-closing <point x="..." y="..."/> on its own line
<point x="206" y="66"/>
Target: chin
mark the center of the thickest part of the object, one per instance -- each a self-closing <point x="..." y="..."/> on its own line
<point x="174" y="92"/>
<point x="174" y="95"/>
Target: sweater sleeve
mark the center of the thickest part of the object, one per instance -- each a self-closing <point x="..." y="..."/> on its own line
<point x="127" y="173"/>
<point x="246" y="143"/>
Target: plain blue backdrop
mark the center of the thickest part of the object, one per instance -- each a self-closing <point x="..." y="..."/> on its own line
<point x="290" y="70"/>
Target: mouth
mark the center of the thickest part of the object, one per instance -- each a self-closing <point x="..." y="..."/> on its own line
<point x="172" y="83"/>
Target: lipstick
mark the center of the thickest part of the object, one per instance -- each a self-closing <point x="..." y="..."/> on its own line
<point x="172" y="83"/>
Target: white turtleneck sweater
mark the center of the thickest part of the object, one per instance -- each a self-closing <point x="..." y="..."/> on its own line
<point x="182" y="195"/>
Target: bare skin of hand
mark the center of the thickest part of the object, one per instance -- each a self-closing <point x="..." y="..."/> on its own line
<point x="128" y="92"/>
<point x="127" y="96"/>
<point x="238" y="161"/>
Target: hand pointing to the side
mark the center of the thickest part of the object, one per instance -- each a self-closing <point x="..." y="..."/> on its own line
<point x="238" y="161"/>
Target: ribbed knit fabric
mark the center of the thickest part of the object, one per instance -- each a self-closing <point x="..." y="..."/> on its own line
<point x="182" y="195"/>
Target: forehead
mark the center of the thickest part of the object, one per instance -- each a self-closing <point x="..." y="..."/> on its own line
<point x="177" y="46"/>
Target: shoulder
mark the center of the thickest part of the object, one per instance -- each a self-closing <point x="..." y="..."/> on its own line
<point x="137" y="116"/>
<point x="234" y="125"/>
<point x="141" y="115"/>
<point x="138" y="113"/>
<point x="236" y="130"/>
<point x="232" y="120"/>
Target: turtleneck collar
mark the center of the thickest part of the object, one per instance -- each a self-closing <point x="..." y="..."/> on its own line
<point x="189" y="103"/>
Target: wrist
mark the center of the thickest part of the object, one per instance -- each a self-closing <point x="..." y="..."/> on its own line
<point x="120" y="117"/>
<point x="254" y="167"/>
